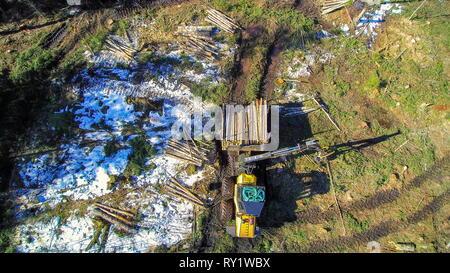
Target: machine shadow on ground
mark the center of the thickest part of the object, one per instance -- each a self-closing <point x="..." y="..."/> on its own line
<point x="284" y="187"/>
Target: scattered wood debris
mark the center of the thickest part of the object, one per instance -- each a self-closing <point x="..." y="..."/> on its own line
<point x="332" y="5"/>
<point x="186" y="152"/>
<point x="406" y="247"/>
<point x="122" y="219"/>
<point x="176" y="189"/>
<point x="222" y="21"/>
<point x="325" y="110"/>
<point x="202" y="47"/>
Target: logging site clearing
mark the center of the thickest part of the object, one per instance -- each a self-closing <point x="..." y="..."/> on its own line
<point x="333" y="133"/>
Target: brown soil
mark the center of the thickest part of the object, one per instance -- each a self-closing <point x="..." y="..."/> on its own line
<point x="249" y="35"/>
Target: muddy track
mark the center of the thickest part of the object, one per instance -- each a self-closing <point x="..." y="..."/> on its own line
<point x="438" y="172"/>
<point x="266" y="89"/>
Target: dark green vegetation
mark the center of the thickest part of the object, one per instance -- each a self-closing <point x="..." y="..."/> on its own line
<point x="142" y="150"/>
<point x="7" y="244"/>
<point x="33" y="61"/>
<point x="215" y="94"/>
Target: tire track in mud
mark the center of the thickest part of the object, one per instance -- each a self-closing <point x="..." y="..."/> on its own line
<point x="378" y="231"/>
<point x="436" y="172"/>
<point x="228" y="158"/>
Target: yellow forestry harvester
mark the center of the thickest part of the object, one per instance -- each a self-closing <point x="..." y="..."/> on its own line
<point x="248" y="201"/>
<point x="246" y="198"/>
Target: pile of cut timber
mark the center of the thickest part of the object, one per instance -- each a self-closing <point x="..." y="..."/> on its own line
<point x="122" y="219"/>
<point x="186" y="152"/>
<point x="201" y="47"/>
<point x="121" y="48"/>
<point x="176" y="189"/>
<point x="332" y="5"/>
<point x="222" y="21"/>
<point x="248" y="126"/>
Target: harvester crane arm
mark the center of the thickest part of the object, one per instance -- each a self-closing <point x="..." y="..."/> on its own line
<point x="300" y="147"/>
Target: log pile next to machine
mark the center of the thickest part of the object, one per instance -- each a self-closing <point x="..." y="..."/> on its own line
<point x="246" y="126"/>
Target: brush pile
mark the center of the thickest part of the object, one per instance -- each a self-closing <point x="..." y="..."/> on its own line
<point x="122" y="48"/>
<point x="186" y="152"/>
<point x="122" y="219"/>
<point x="176" y="189"/>
<point x="201" y="47"/>
<point x="332" y="5"/>
<point x="222" y="21"/>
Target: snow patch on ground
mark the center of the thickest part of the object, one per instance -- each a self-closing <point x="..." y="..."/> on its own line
<point x="82" y="172"/>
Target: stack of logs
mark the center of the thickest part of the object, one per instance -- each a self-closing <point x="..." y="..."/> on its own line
<point x="248" y="126"/>
<point x="186" y="152"/>
<point x="152" y="93"/>
<point x="332" y="5"/>
<point x="222" y="21"/>
<point x="122" y="219"/>
<point x="125" y="50"/>
<point x="176" y="189"/>
<point x="200" y="45"/>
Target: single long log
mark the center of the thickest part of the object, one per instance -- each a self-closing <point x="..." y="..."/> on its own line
<point x="326" y="113"/>
<point x="187" y="150"/>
